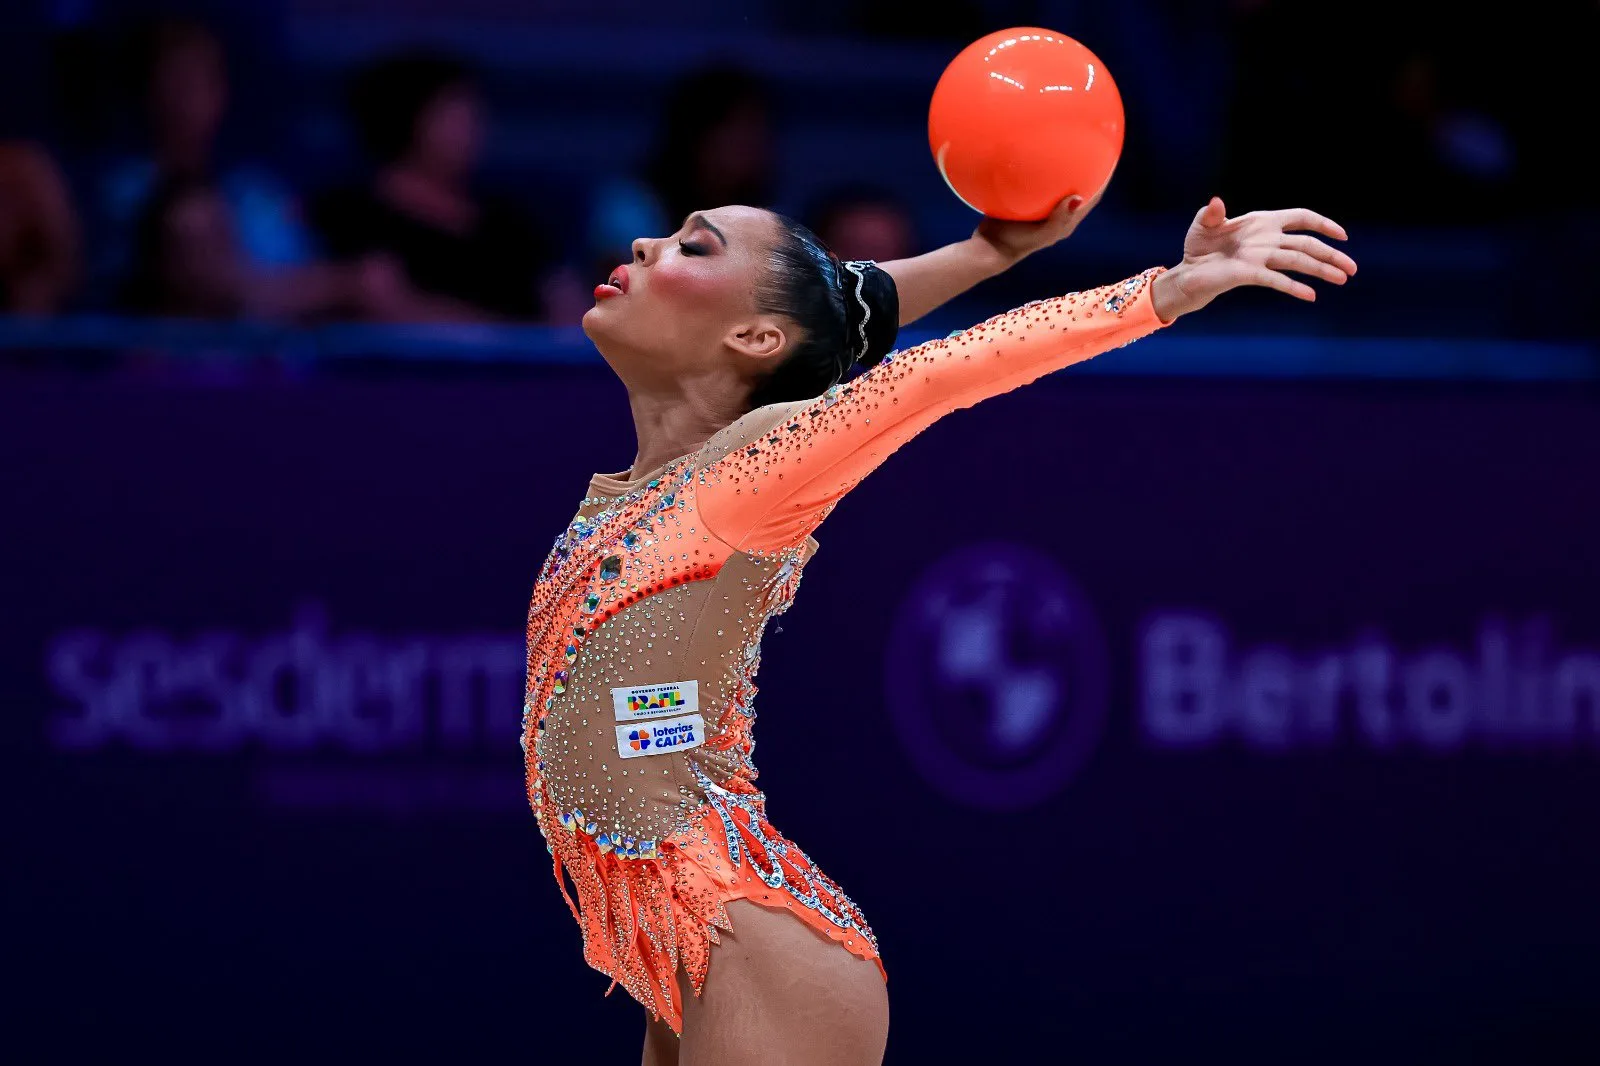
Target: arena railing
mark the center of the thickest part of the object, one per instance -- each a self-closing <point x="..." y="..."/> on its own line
<point x="69" y="341"/>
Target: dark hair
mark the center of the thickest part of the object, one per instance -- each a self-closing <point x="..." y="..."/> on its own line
<point x="388" y="97"/>
<point x="834" y="304"/>
<point x="151" y="42"/>
<point x="696" y="106"/>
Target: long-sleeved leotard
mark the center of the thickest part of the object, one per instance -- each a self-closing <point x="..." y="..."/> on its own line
<point x="644" y="639"/>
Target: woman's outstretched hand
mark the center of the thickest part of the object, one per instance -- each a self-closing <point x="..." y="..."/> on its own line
<point x="1262" y="248"/>
<point x="1015" y="240"/>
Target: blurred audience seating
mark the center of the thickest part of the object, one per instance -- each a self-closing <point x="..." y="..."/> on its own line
<point x="577" y="104"/>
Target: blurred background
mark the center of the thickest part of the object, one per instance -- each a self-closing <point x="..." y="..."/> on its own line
<point x="1285" y="687"/>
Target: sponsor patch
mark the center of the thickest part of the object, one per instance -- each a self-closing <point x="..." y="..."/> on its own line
<point x="656" y="701"/>
<point x="637" y="739"/>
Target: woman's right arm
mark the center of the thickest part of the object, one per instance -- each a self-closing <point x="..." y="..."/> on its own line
<point x="927" y="282"/>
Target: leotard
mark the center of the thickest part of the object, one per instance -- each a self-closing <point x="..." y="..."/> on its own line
<point x="644" y="637"/>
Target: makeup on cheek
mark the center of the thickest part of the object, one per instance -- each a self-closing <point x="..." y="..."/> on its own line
<point x="694" y="279"/>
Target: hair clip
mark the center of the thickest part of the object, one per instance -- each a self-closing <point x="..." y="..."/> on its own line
<point x="855" y="267"/>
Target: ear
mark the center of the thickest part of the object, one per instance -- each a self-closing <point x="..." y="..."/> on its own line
<point x="759" y="338"/>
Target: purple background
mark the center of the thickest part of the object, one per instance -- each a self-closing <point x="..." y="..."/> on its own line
<point x="1302" y="907"/>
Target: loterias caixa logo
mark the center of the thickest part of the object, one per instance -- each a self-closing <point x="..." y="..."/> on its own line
<point x="998" y="676"/>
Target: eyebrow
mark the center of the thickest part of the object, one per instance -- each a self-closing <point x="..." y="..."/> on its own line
<point x="702" y="222"/>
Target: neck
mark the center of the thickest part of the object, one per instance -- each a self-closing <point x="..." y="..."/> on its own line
<point x="674" y="422"/>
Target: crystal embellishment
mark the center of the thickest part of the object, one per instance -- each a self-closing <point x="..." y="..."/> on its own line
<point x="1118" y="300"/>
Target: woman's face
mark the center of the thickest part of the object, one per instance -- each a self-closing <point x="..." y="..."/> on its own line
<point x="736" y="154"/>
<point x="878" y="232"/>
<point x="189" y="93"/>
<point x="685" y="305"/>
<point x="449" y="134"/>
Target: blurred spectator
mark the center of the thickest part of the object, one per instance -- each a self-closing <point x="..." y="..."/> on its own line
<point x="863" y="222"/>
<point x="189" y="263"/>
<point x="1397" y="126"/>
<point x="182" y="74"/>
<point x="716" y="144"/>
<point x="1458" y="156"/>
<point x="714" y="147"/>
<point x="463" y="257"/>
<point x="39" y="233"/>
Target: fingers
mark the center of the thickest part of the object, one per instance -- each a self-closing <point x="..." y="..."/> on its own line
<point x="1271" y="279"/>
<point x="1068" y="212"/>
<point x="1317" y="250"/>
<point x="1089" y="204"/>
<point x="1302" y="263"/>
<point x="1085" y="204"/>
<point x="1214" y="213"/>
<point x="1300" y="219"/>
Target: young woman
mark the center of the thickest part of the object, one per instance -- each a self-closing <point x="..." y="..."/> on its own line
<point x="734" y="337"/>
<point x="461" y="257"/>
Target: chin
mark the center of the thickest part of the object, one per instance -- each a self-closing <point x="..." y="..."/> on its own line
<point x="594" y="323"/>
<point x="601" y="334"/>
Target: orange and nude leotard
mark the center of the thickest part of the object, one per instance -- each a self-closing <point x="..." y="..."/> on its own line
<point x="644" y="638"/>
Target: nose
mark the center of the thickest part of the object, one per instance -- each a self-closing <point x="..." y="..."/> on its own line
<point x="644" y="251"/>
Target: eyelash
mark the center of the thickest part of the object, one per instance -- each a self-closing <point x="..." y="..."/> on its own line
<point x="690" y="249"/>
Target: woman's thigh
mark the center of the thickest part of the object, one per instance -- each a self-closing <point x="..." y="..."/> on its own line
<point x="660" y="1043"/>
<point x="781" y="994"/>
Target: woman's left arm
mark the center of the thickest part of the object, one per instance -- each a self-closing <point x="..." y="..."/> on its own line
<point x="785" y="466"/>
<point x="928" y="282"/>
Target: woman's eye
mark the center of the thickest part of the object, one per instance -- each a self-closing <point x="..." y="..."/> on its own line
<point x="690" y="248"/>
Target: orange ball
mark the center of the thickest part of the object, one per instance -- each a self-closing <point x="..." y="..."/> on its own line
<point x="1023" y="119"/>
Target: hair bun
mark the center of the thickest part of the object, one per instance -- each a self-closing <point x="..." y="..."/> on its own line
<point x="871" y="311"/>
